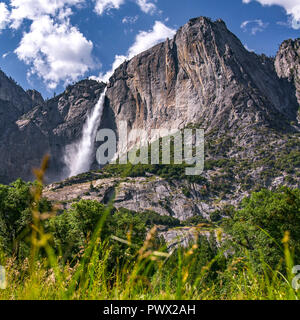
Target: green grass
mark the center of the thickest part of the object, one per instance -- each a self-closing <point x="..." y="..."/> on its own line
<point x="203" y="271"/>
<point x="48" y="278"/>
<point x="147" y="276"/>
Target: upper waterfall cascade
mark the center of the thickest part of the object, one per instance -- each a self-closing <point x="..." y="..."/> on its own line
<point x="78" y="156"/>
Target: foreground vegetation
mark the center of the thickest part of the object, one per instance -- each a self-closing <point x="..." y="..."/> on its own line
<point x="94" y="251"/>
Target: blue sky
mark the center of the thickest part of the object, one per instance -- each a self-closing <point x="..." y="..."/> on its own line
<point x="46" y="44"/>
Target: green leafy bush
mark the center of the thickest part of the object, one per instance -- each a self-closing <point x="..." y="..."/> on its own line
<point x="260" y="225"/>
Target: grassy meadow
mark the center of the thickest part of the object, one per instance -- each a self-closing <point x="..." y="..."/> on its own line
<point x="94" y="251"/>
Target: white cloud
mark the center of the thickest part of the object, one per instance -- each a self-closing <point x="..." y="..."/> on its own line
<point x="119" y="59"/>
<point x="33" y="9"/>
<point x="247" y="48"/>
<point x="5" y="54"/>
<point x="146" y="6"/>
<point x="55" y="51"/>
<point x="254" y="25"/>
<point x="103" y="6"/>
<point x="292" y="8"/>
<point x="130" y="20"/>
<point x="106" y="5"/>
<point x="143" y="41"/>
<point x="4" y="16"/>
<point x="288" y="23"/>
<point x="147" y="39"/>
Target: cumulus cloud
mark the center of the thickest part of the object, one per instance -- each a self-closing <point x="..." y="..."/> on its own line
<point x="106" y="5"/>
<point x="4" y="16"/>
<point x="119" y="59"/>
<point x="103" y="6"/>
<point x="292" y="8"/>
<point x="56" y="52"/>
<point x="143" y="41"/>
<point x="54" y="49"/>
<point x="254" y="26"/>
<point x="146" y="6"/>
<point x="33" y="9"/>
<point x="147" y="39"/>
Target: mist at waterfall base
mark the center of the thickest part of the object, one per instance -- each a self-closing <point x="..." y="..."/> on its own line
<point x="78" y="156"/>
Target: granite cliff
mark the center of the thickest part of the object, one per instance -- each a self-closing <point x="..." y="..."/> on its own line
<point x="203" y="78"/>
<point x="44" y="127"/>
<point x="204" y="75"/>
<point x="287" y="63"/>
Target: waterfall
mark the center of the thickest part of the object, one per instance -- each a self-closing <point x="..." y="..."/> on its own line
<point x="78" y="156"/>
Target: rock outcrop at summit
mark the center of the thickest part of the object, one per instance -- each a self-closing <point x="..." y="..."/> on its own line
<point x="287" y="62"/>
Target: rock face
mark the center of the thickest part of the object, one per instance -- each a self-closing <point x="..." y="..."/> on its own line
<point x="12" y="92"/>
<point x="202" y="77"/>
<point x="287" y="63"/>
<point x="44" y="127"/>
<point x="141" y="194"/>
<point x="136" y="194"/>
